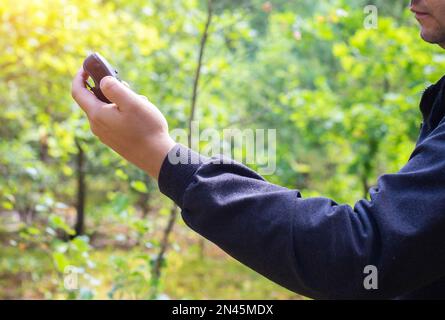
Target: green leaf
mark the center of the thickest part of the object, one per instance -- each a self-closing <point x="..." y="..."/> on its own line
<point x="60" y="261"/>
<point x="7" y="205"/>
<point x="139" y="186"/>
<point x="80" y="244"/>
<point x="120" y="203"/>
<point x="33" y="231"/>
<point x="56" y="222"/>
<point x="121" y="174"/>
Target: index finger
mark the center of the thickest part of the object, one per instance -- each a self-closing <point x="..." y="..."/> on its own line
<point x="84" y="98"/>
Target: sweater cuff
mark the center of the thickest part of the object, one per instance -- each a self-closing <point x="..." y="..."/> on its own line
<point x="177" y="172"/>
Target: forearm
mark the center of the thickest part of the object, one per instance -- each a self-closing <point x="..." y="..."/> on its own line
<point x="271" y="229"/>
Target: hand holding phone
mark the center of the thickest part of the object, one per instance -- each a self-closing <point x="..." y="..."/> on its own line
<point x="97" y="67"/>
<point x="131" y="126"/>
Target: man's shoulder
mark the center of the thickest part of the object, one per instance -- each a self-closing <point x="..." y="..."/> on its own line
<point x="432" y="104"/>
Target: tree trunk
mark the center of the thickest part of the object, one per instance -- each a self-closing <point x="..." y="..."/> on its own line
<point x="79" y="226"/>
<point x="144" y="199"/>
<point x="365" y="186"/>
<point x="158" y="263"/>
<point x="156" y="274"/>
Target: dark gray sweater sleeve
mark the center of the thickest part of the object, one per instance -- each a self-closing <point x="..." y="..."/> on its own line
<point x="315" y="246"/>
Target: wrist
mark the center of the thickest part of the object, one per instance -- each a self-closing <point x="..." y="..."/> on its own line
<point x="156" y="152"/>
<point x="177" y="172"/>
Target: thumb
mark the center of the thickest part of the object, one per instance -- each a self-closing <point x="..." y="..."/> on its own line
<point x="119" y="93"/>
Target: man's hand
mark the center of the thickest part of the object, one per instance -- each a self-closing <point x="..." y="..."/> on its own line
<point x="131" y="125"/>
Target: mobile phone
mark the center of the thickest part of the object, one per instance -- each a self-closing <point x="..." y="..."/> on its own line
<point x="97" y="67"/>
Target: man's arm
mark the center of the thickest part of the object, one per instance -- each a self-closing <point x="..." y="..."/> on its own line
<point x="311" y="246"/>
<point x="315" y="246"/>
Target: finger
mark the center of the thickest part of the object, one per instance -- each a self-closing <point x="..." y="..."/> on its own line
<point x="118" y="93"/>
<point x="84" y="98"/>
